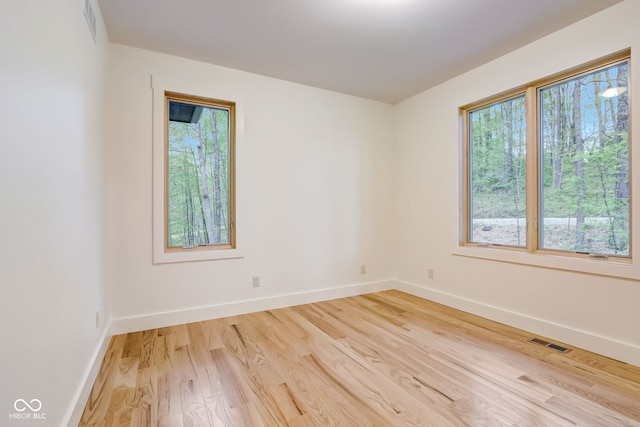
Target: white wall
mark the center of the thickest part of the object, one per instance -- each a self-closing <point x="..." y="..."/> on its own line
<point x="314" y="173"/>
<point x="51" y="203"/>
<point x="597" y="313"/>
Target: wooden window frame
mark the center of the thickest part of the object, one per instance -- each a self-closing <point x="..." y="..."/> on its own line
<point x="209" y="103"/>
<point x="531" y="92"/>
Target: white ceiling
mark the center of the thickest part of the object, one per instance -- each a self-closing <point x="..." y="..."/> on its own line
<point x="387" y="50"/>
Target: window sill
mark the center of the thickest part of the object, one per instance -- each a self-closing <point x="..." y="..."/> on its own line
<point x="167" y="257"/>
<point x="616" y="268"/>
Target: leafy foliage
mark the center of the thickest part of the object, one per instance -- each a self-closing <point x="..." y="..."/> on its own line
<point x="498" y="165"/>
<point x="584" y="165"/>
<point x="198" y="180"/>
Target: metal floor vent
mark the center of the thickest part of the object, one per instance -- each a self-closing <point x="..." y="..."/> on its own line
<point x="556" y="347"/>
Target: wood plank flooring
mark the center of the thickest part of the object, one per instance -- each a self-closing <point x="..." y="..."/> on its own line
<point x="382" y="359"/>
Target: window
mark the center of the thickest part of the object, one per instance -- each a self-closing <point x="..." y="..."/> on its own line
<point x="498" y="142"/>
<point x="546" y="167"/>
<point x="199" y="179"/>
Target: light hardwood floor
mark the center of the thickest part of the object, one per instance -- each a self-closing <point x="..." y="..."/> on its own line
<point x="382" y="359"/>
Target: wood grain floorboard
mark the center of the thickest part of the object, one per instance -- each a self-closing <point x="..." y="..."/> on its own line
<point x="381" y="359"/>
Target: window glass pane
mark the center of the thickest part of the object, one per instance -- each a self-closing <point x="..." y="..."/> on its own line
<point x="584" y="163"/>
<point x="497" y="188"/>
<point x="198" y="175"/>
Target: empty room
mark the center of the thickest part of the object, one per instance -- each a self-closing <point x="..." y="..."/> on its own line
<point x="341" y="212"/>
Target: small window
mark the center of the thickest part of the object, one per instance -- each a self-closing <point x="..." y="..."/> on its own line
<point x="199" y="178"/>
<point x="547" y="166"/>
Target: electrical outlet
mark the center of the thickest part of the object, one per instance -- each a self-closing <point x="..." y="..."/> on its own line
<point x="430" y="273"/>
<point x="97" y="319"/>
<point x="363" y="269"/>
<point x="255" y="281"/>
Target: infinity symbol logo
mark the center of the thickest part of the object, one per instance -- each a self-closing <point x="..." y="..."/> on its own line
<point x="21" y="405"/>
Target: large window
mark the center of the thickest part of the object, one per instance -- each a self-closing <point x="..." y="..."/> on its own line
<point x="199" y="173"/>
<point x="547" y="165"/>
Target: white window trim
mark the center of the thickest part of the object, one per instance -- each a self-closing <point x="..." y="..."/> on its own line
<point x="606" y="268"/>
<point x="160" y="85"/>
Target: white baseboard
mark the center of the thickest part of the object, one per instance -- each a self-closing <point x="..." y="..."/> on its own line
<point x="74" y="414"/>
<point x="170" y="318"/>
<point x="586" y="340"/>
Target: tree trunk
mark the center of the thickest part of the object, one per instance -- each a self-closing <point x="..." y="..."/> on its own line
<point x="600" y="110"/>
<point x="579" y="163"/>
<point x="557" y="144"/>
<point x="217" y="199"/>
<point x="189" y="217"/>
<point x="507" y="113"/>
<point x="487" y="137"/>
<point x="622" y="174"/>
<point x="206" y="201"/>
